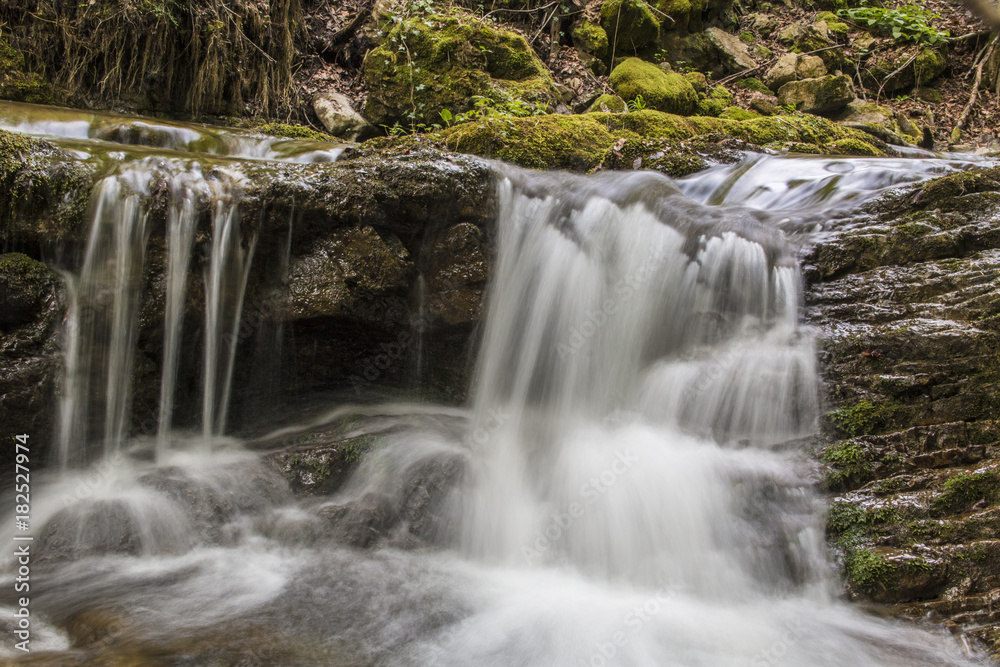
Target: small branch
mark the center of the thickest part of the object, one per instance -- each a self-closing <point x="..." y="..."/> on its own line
<point x="963" y="119"/>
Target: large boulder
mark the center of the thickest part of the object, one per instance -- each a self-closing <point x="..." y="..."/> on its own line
<point x="661" y="91"/>
<point x="823" y="96"/>
<point x="591" y="41"/>
<point x="433" y="63"/>
<point x="685" y="15"/>
<point x="629" y="24"/>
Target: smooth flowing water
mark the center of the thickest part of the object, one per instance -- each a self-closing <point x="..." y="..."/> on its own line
<point x="636" y="491"/>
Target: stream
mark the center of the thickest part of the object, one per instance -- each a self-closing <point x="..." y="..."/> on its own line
<point x="636" y="487"/>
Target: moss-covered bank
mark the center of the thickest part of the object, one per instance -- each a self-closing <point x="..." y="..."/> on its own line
<point x="673" y="144"/>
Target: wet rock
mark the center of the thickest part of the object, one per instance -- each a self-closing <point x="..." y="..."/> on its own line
<point x="213" y="498"/>
<point x="98" y="528"/>
<point x="340" y="119"/>
<point x="914" y="447"/>
<point x="363" y="522"/>
<point x="319" y="462"/>
<point x="822" y="96"/>
<point x="426" y="495"/>
<point x="352" y="273"/>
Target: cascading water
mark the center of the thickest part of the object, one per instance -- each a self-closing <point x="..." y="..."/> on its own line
<point x="634" y="492"/>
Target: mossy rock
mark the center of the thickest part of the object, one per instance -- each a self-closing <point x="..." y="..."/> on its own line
<point x="715" y="102"/>
<point x="698" y="80"/>
<point x="754" y="84"/>
<point x="686" y="14"/>
<point x="629" y="24"/>
<point x="541" y="142"/>
<point x="587" y="141"/>
<point x="823" y="95"/>
<point x="24" y="285"/>
<point x="430" y="63"/>
<point x="738" y="113"/>
<point x="671" y="93"/>
<point x="608" y="104"/>
<point x="591" y="38"/>
<point x="834" y="25"/>
<point x="43" y="193"/>
<point x="901" y="72"/>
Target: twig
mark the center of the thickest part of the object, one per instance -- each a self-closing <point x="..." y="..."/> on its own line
<point x="963" y="119"/>
<point x="899" y="69"/>
<point x="521" y="11"/>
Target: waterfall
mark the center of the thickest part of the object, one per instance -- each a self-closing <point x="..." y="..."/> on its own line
<point x="626" y="485"/>
<point x="103" y="315"/>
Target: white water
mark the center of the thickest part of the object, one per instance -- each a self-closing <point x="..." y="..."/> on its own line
<point x="634" y="496"/>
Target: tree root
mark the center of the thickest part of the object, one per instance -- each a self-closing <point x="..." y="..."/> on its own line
<point x="963" y="118"/>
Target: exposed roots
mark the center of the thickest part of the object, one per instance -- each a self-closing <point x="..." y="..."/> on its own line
<point x="198" y="56"/>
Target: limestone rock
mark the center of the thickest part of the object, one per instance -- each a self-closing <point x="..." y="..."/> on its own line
<point x="813" y="39"/>
<point x="732" y="51"/>
<point x="340" y="119"/>
<point x="664" y="92"/>
<point x="901" y="72"/>
<point x="782" y="71"/>
<point x="809" y="67"/>
<point x="822" y="96"/>
<point x="712" y="50"/>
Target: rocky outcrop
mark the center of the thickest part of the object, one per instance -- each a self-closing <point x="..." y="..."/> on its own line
<point x="434" y="63"/>
<point x="909" y="309"/>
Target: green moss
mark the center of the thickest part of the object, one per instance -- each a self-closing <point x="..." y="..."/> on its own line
<point x="429" y="63"/>
<point x="671" y="93"/>
<point x="754" y="84"/>
<point x="629" y="24"/>
<point x="16" y="83"/>
<point x="737" y="113"/>
<point x="608" y="104"/>
<point x="591" y="38"/>
<point x="868" y="571"/>
<point x="929" y="65"/>
<point x="43" y="192"/>
<point x="697" y="80"/>
<point x="963" y="490"/>
<point x="747" y="37"/>
<point x="541" y="142"/>
<point x="294" y="132"/>
<point x="863" y="418"/>
<point x="853" y="146"/>
<point x="357" y="448"/>
<point x="685" y="14"/>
